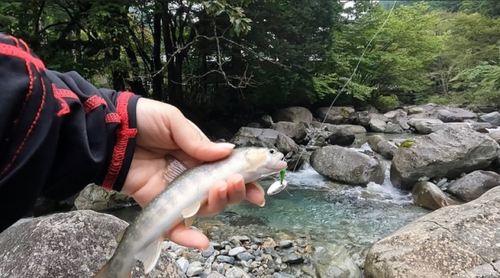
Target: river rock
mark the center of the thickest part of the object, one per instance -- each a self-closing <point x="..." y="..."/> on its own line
<point x="356" y="129"/>
<point x="393" y="128"/>
<point x="495" y="135"/>
<point x="294" y="114"/>
<point x="454" y="114"/>
<point x="381" y="146"/>
<point x="287" y="128"/>
<point x="95" y="197"/>
<point x="492" y="118"/>
<point x="248" y="136"/>
<point x="446" y="153"/>
<point x="341" y="137"/>
<point x="336" y="115"/>
<point x="415" y="110"/>
<point x="454" y="241"/>
<point x="424" y="126"/>
<point x="346" y="165"/>
<point x="399" y="117"/>
<point x="266" y="121"/>
<point x="335" y="261"/>
<point x="363" y="118"/>
<point x="73" y="244"/>
<point x="473" y="185"/>
<point x="236" y="272"/>
<point x="428" y="195"/>
<point x="285" y="144"/>
<point x="377" y="123"/>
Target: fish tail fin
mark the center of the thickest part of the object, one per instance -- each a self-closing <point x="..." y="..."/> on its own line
<point x="150" y="255"/>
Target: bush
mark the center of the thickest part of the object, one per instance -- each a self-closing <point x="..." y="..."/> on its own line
<point x="387" y="103"/>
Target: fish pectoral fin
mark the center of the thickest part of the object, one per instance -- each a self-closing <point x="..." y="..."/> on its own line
<point x="189" y="221"/>
<point x="149" y="256"/>
<point x="173" y="169"/>
<point x="120" y="235"/>
<point x="191" y="211"/>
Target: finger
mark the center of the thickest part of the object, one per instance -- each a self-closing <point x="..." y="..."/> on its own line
<point x="217" y="200"/>
<point x="194" y="142"/>
<point x="255" y="194"/>
<point x="188" y="237"/>
<point x="236" y="192"/>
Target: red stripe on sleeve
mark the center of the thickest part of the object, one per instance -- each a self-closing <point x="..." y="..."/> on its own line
<point x="124" y="133"/>
<point x="10" y="50"/>
<point x="93" y="102"/>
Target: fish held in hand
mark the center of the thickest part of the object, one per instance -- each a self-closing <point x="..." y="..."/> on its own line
<point x="181" y="200"/>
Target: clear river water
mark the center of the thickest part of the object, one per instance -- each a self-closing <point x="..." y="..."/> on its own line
<point x="353" y="217"/>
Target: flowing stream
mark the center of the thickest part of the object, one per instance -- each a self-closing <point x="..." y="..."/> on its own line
<point x="354" y="217"/>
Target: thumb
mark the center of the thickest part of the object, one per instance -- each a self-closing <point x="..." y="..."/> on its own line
<point x="195" y="143"/>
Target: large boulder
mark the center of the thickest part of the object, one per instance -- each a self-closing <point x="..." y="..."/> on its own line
<point x="393" y="128"/>
<point x="95" y="197"/>
<point x="377" y="123"/>
<point x="382" y="146"/>
<point x="294" y="114"/>
<point x="454" y="114"/>
<point x="341" y="137"/>
<point x="428" y="195"/>
<point x="495" y="135"/>
<point x="446" y="153"/>
<point x="348" y="166"/>
<point x="356" y="129"/>
<point x="473" y="185"/>
<point x="285" y="144"/>
<point x="249" y="136"/>
<point x="289" y="129"/>
<point x="454" y="241"/>
<point x="337" y="115"/>
<point x="73" y="244"/>
<point x="492" y="118"/>
<point x="399" y="117"/>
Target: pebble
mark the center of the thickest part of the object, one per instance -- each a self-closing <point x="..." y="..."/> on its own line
<point x="285" y="244"/>
<point x="194" y="269"/>
<point x="235" y="251"/>
<point x="207" y="253"/>
<point x="268" y="254"/>
<point x="225" y="259"/>
<point x="183" y="263"/>
<point x="245" y="256"/>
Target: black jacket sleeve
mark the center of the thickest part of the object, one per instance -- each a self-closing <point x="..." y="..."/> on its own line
<point x="58" y="132"/>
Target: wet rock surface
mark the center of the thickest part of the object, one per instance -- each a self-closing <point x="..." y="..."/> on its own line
<point x="73" y="244"/>
<point x="454" y="241"/>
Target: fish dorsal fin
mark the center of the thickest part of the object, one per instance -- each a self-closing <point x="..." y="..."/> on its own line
<point x="173" y="169"/>
<point x="149" y="256"/>
<point x="191" y="210"/>
<point x="255" y="159"/>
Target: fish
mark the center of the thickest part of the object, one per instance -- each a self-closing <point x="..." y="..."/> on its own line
<point x="180" y="201"/>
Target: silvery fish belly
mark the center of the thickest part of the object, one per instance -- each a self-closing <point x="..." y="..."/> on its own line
<point x="181" y="200"/>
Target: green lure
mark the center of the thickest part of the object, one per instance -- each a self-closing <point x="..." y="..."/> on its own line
<point x="282" y="175"/>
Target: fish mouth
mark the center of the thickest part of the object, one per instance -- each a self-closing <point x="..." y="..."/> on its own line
<point x="280" y="164"/>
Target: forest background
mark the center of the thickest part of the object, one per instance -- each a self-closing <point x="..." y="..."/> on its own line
<point x="232" y="61"/>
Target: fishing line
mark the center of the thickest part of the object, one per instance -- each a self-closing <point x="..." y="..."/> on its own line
<point x="350" y="77"/>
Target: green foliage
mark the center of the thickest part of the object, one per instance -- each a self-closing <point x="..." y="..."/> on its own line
<point x="387" y="103"/>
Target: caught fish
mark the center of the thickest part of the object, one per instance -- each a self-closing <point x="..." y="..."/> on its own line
<point x="181" y="200"/>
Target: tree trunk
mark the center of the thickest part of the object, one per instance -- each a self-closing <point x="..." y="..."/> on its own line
<point x="118" y="74"/>
<point x="157" y="66"/>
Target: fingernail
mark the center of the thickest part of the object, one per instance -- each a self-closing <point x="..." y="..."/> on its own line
<point x="263" y="203"/>
<point x="226" y="145"/>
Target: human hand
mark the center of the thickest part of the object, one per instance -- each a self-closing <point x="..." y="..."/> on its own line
<point x="164" y="131"/>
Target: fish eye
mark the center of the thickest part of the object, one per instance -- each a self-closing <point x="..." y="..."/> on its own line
<point x="272" y="151"/>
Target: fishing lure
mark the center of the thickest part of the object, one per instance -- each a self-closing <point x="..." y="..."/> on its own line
<point x="278" y="186"/>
